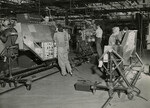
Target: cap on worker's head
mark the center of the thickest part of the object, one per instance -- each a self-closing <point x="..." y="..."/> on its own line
<point x="115" y="29"/>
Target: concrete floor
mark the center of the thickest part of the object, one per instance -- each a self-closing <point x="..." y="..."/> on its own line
<point x="58" y="92"/>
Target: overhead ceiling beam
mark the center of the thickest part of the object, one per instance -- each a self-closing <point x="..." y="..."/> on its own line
<point x="146" y="9"/>
<point x="82" y="11"/>
<point x="63" y="3"/>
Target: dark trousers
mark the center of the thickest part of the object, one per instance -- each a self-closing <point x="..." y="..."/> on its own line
<point x="98" y="47"/>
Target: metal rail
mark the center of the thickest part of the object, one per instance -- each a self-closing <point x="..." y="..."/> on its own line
<point x="29" y="73"/>
<point x="19" y="77"/>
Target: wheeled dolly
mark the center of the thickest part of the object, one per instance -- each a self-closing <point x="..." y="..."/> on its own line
<point x="117" y="81"/>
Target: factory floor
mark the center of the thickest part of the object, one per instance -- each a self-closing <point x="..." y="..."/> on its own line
<point x="56" y="91"/>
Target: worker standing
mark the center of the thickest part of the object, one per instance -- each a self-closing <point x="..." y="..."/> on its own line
<point x="67" y="38"/>
<point x="50" y="23"/>
<point x="99" y="33"/>
<point x="61" y="39"/>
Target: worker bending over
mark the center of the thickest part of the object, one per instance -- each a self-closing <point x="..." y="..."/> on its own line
<point x="116" y="36"/>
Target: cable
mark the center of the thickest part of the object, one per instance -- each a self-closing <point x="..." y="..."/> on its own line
<point x="77" y="75"/>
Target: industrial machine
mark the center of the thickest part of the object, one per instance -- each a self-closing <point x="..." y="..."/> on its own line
<point x="118" y="63"/>
<point x="84" y="46"/>
<point x="26" y="36"/>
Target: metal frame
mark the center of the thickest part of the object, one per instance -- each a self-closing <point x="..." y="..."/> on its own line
<point x="119" y="83"/>
<point x="9" y="55"/>
<point x="19" y="76"/>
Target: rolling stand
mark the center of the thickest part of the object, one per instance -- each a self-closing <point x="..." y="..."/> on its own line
<point x="117" y="81"/>
<point x="117" y="63"/>
<point x="10" y="54"/>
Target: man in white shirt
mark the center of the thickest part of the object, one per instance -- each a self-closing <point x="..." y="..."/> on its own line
<point x="99" y="33"/>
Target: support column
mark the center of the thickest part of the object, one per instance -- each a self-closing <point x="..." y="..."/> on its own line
<point x="66" y="19"/>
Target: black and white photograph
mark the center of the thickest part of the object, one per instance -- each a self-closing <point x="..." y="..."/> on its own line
<point x="74" y="53"/>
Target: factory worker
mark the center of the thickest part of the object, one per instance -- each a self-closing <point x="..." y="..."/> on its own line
<point x="93" y="25"/>
<point x="61" y="39"/>
<point x="115" y="37"/>
<point x="49" y="21"/>
<point x="46" y="20"/>
<point x="5" y="24"/>
<point x="99" y="33"/>
<point x="67" y="38"/>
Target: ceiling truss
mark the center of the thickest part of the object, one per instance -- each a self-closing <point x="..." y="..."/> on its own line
<point x="74" y="7"/>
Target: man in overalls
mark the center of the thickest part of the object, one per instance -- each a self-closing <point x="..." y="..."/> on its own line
<point x="61" y="39"/>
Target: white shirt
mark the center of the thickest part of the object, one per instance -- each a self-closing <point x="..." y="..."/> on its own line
<point x="99" y="32"/>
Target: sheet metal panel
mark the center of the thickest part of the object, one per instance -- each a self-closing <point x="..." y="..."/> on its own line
<point x="129" y="44"/>
<point x="34" y="32"/>
<point x="37" y="32"/>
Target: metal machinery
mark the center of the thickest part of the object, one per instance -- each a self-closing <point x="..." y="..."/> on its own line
<point x="118" y="63"/>
<point x="84" y="45"/>
<point x="26" y="36"/>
